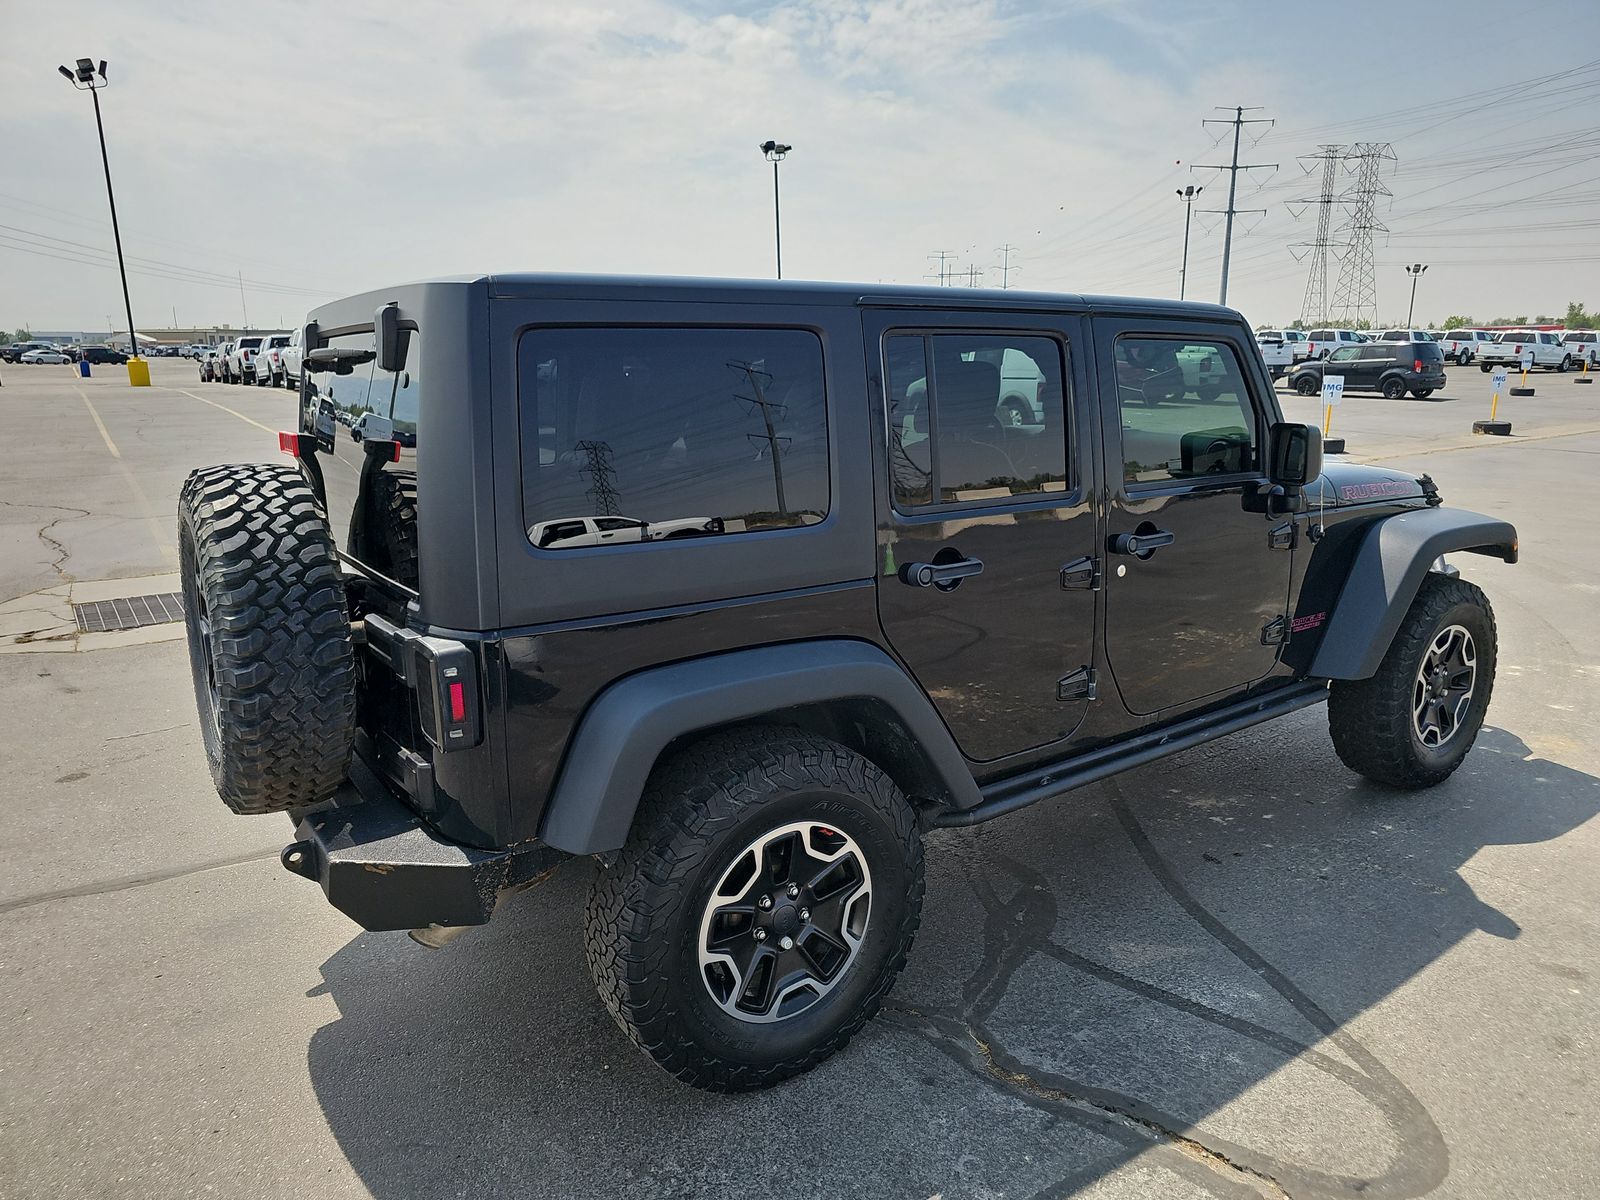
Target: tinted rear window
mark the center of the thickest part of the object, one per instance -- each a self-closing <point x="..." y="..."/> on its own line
<point x="1516" y="337"/>
<point x="687" y="432"/>
<point x="1428" y="351"/>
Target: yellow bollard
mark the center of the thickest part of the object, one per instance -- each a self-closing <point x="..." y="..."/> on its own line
<point x="138" y="372"/>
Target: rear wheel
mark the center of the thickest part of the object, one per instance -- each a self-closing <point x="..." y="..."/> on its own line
<point x="764" y="903"/>
<point x="1463" y="358"/>
<point x="1413" y="722"/>
<point x="269" y="636"/>
<point x="1393" y="389"/>
<point x="1422" y="393"/>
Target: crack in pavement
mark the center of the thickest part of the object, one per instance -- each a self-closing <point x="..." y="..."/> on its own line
<point x="43" y="533"/>
<point x="127" y="882"/>
<point x="1018" y="929"/>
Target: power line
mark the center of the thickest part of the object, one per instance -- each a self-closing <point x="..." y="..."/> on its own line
<point x="1357" y="293"/>
<point x="945" y="270"/>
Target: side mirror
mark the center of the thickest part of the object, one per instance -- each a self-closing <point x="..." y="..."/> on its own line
<point x="386" y="333"/>
<point x="1296" y="455"/>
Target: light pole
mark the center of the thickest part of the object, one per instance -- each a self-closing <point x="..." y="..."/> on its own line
<point x="1187" y="195"/>
<point x="83" y="79"/>
<point x="1414" y="270"/>
<point x="775" y="153"/>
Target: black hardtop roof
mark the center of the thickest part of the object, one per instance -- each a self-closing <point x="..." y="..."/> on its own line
<point x="551" y="286"/>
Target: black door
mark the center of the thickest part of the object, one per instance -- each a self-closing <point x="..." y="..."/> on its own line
<point x="1191" y="608"/>
<point x="1346" y="361"/>
<point x="984" y="500"/>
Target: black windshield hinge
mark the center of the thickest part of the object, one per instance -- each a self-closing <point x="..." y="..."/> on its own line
<point x="1281" y="537"/>
<point x="1081" y="573"/>
<point x="1275" y="632"/>
<point x="1077" y="686"/>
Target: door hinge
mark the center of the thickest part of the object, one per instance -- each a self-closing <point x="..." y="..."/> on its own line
<point x="1281" y="537"/>
<point x="1275" y="632"/>
<point x="1081" y="573"/>
<point x="1077" y="686"/>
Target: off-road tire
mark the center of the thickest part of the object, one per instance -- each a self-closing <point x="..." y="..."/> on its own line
<point x="700" y="809"/>
<point x="394" y="503"/>
<point x="1370" y="719"/>
<point x="275" y="679"/>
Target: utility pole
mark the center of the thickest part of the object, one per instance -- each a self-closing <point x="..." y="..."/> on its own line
<point x="974" y="275"/>
<point x="1238" y="122"/>
<point x="1314" y="308"/>
<point x="944" y="271"/>
<point x="1005" y="268"/>
<point x="1414" y="270"/>
<point x="242" y="303"/>
<point x="775" y="442"/>
<point x="1187" y="195"/>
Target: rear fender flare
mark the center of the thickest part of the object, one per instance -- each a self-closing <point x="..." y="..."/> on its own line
<point x="628" y="727"/>
<point x="1388" y="567"/>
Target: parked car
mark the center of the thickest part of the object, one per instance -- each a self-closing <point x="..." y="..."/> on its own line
<point x="290" y="357"/>
<point x="1583" y="345"/>
<point x="210" y="364"/>
<point x="102" y="354"/>
<point x="46" y="356"/>
<point x="749" y="732"/>
<point x="1463" y="345"/>
<point x="1507" y="350"/>
<point x="1276" y="349"/>
<point x="240" y="366"/>
<point x="15" y="351"/>
<point x="1298" y="342"/>
<point x="1404" y="335"/>
<point x="269" y="361"/>
<point x="1322" y="342"/>
<point x="605" y="531"/>
<point x="1392" y="368"/>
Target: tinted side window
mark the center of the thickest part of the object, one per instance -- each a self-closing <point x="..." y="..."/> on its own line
<point x="1186" y="410"/>
<point x="689" y="432"/>
<point x="974" y="416"/>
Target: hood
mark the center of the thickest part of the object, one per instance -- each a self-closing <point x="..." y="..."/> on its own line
<point x="1345" y="483"/>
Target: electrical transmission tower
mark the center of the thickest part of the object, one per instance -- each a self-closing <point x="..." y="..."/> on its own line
<point x="1004" y="266"/>
<point x="1356" y="295"/>
<point x="759" y="381"/>
<point x="602" y="477"/>
<point x="1238" y="122"/>
<point x="1314" y="308"/>
<point x="946" y="269"/>
<point x="974" y="275"/>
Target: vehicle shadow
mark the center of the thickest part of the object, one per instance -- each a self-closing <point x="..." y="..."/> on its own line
<point x="1165" y="967"/>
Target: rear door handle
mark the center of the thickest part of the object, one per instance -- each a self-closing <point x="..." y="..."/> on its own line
<point x="940" y="575"/>
<point x="1141" y="544"/>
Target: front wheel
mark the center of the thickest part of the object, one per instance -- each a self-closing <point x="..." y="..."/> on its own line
<point x="1485" y="367"/>
<point x="1307" y="385"/>
<point x="763" y="905"/>
<point x="1413" y="722"/>
<point x="1561" y="367"/>
<point x="1393" y="389"/>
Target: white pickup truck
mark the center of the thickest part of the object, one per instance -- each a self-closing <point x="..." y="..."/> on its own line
<point x="240" y="365"/>
<point x="1584" y="345"/>
<point x="1507" y="350"/>
<point x="1277" y="349"/>
<point x="290" y="357"/>
<point x="269" y="361"/>
<point x="1463" y="345"/>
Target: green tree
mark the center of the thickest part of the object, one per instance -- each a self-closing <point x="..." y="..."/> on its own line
<point x="1458" y="323"/>
<point x="1578" y="317"/>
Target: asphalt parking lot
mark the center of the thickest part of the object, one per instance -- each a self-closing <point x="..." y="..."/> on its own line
<point x="1241" y="971"/>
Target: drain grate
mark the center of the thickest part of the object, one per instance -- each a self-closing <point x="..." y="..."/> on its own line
<point x="131" y="612"/>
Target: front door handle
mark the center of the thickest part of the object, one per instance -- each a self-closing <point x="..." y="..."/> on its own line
<point x="1141" y="545"/>
<point x="943" y="576"/>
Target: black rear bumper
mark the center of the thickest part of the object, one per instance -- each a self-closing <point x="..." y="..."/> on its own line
<point x="384" y="869"/>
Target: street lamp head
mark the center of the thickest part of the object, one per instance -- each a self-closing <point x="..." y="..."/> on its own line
<point x="67" y="71"/>
<point x="775" y="151"/>
<point x="85" y="70"/>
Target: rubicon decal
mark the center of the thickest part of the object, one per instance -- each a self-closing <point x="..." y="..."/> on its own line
<point x="1372" y="491"/>
<point x="1309" y="621"/>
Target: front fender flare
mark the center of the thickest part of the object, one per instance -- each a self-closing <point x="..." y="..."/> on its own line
<point x="1385" y="573"/>
<point x="627" y="727"/>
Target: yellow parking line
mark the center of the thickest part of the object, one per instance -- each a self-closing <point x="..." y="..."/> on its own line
<point x="226" y="409"/>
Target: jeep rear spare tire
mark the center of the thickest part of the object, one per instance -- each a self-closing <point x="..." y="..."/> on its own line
<point x="269" y="636"/>
<point x="762" y="906"/>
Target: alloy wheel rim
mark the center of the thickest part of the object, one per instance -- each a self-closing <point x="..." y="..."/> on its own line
<point x="1441" y="694"/>
<point x="784" y="922"/>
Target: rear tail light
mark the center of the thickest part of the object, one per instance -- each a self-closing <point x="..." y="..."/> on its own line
<point x="1417" y="366"/>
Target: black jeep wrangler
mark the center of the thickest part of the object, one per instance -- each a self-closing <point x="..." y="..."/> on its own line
<point x="739" y="588"/>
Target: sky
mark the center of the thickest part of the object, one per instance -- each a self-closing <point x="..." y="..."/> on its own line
<point x="323" y="149"/>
